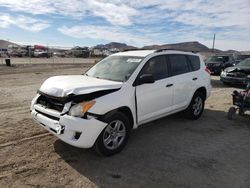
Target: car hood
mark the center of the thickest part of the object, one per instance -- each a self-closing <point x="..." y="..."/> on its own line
<point x="62" y="86"/>
<point x="245" y="70"/>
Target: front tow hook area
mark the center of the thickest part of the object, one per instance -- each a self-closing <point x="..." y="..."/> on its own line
<point x="60" y="129"/>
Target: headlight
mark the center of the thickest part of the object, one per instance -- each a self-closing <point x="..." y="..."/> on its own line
<point x="80" y="109"/>
<point x="223" y="73"/>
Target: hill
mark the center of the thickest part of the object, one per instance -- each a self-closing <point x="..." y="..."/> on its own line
<point x="120" y="46"/>
<point x="185" y="46"/>
<point x="4" y="44"/>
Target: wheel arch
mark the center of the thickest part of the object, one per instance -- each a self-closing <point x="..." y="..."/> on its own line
<point x="126" y="111"/>
<point x="202" y="90"/>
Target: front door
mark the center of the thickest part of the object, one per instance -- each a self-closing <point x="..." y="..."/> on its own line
<point x="154" y="99"/>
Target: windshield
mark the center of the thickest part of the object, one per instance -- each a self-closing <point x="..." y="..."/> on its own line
<point x="218" y="59"/>
<point x="244" y="63"/>
<point x="115" y="68"/>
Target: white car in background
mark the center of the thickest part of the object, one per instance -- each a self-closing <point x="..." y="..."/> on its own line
<point x="120" y="93"/>
<point x="41" y="53"/>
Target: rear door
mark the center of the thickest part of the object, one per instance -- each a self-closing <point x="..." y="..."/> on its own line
<point x="154" y="99"/>
<point x="183" y="80"/>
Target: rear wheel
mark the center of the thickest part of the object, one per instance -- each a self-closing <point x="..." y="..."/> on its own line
<point x="196" y="106"/>
<point x="114" y="137"/>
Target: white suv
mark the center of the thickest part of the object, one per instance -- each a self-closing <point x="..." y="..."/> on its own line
<point x="121" y="92"/>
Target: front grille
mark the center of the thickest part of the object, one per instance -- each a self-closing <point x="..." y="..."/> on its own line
<point x="231" y="75"/>
<point x="51" y="103"/>
<point x="236" y="75"/>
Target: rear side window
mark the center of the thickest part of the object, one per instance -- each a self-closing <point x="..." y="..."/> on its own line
<point x="178" y="64"/>
<point x="156" y="66"/>
<point x="195" y="62"/>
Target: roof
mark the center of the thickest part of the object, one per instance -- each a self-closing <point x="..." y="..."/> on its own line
<point x="138" y="53"/>
<point x="144" y="53"/>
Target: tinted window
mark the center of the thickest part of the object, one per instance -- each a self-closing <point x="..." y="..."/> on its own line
<point x="179" y="64"/>
<point x="194" y="61"/>
<point x="218" y="59"/>
<point x="157" y="67"/>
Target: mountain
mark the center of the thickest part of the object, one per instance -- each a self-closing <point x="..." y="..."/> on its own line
<point x="4" y="44"/>
<point x="185" y="46"/>
<point x="120" y="46"/>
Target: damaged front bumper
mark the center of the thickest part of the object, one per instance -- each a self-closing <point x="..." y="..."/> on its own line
<point x="233" y="80"/>
<point x="75" y="131"/>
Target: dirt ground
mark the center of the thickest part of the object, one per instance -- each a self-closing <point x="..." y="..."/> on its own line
<point x="170" y="152"/>
<point x="52" y="60"/>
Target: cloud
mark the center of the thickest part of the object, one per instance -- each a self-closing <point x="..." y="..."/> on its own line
<point x="116" y="14"/>
<point x="141" y="21"/>
<point x="194" y="12"/>
<point x="115" y="34"/>
<point x="5" y="21"/>
<point x="24" y="22"/>
<point x="197" y="12"/>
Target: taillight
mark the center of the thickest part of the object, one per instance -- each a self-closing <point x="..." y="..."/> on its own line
<point x="207" y="70"/>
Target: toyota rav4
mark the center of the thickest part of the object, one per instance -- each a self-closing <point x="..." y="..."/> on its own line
<point x="123" y="91"/>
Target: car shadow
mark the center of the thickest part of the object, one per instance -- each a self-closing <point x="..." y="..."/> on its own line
<point x="164" y="153"/>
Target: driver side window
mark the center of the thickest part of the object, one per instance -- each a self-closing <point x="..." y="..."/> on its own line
<point x="156" y="66"/>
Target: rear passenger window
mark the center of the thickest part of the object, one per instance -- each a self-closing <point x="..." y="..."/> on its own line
<point x="179" y="64"/>
<point x="156" y="66"/>
<point x="194" y="61"/>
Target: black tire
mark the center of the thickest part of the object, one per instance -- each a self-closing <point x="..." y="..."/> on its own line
<point x="190" y="112"/>
<point x="231" y="113"/>
<point x="100" y="146"/>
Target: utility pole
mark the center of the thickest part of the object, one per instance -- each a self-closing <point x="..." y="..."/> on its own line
<point x="213" y="43"/>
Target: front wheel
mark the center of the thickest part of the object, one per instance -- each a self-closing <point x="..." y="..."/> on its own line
<point x="114" y="137"/>
<point x="196" y="106"/>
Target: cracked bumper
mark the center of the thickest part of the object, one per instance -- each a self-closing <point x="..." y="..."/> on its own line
<point x="233" y="80"/>
<point x="75" y="131"/>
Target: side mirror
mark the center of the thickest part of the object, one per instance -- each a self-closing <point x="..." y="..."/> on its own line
<point x="146" y="79"/>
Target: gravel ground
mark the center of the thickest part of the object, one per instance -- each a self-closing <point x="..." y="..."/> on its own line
<point x="52" y="60"/>
<point x="170" y="152"/>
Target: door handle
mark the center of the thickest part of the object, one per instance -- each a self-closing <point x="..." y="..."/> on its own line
<point x="195" y="79"/>
<point x="169" y="85"/>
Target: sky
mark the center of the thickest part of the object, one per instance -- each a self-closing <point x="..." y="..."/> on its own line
<point x="70" y="23"/>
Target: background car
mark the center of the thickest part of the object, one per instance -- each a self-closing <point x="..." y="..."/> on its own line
<point x="218" y="63"/>
<point x="236" y="74"/>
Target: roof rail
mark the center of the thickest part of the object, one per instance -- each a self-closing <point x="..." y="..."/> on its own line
<point x="166" y="49"/>
<point x="131" y="49"/>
